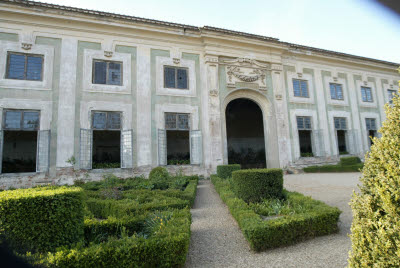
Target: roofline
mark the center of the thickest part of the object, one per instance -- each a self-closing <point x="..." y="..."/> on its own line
<point x="28" y="3"/>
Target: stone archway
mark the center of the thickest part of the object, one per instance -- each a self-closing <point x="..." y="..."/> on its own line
<point x="268" y="121"/>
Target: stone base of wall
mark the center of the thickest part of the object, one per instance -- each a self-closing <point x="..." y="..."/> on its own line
<point x="303" y="162"/>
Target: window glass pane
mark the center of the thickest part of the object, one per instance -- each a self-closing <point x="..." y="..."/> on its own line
<point x="391" y="95"/>
<point x="300" y="122"/>
<point x="182" y="78"/>
<point x="99" y="121"/>
<point x="114" y="73"/>
<point x="31" y="121"/>
<point x="113" y="120"/>
<point x="16" y="66"/>
<point x="307" y="122"/>
<point x="304" y="89"/>
<point x="337" y="123"/>
<point x="333" y="91"/>
<point x="369" y="94"/>
<point x="296" y="87"/>
<point x="343" y="124"/>
<point x="170" y="120"/>
<point x="339" y="92"/>
<point x="363" y="94"/>
<point x="13" y="120"/>
<point x="373" y="124"/>
<point x="100" y="69"/>
<point x="34" y="68"/>
<point x="183" y="121"/>
<point x="169" y="77"/>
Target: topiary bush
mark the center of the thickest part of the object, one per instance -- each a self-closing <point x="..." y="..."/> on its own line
<point x="225" y="171"/>
<point x="41" y="219"/>
<point x="253" y="185"/>
<point x="158" y="173"/>
<point x="350" y="160"/>
<point x="376" y="208"/>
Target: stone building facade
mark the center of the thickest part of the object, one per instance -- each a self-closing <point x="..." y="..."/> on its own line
<point x="67" y="73"/>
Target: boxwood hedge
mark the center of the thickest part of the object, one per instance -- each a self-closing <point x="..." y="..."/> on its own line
<point x="319" y="219"/>
<point x="41" y="219"/>
<point x="253" y="185"/>
<point x="225" y="171"/>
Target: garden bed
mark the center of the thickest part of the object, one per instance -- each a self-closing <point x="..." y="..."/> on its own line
<point x="273" y="223"/>
<point x="346" y="164"/>
<point x="133" y="222"/>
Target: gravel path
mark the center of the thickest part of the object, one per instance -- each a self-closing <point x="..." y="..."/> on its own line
<point x="218" y="242"/>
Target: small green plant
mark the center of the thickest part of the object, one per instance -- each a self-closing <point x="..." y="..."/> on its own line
<point x="71" y="161"/>
<point x="306" y="154"/>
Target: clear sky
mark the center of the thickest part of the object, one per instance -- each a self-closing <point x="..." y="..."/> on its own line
<point x="359" y="27"/>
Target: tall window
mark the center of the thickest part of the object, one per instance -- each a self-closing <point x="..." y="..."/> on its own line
<point x="336" y="91"/>
<point x="300" y="88"/>
<point x="175" y="77"/>
<point x="341" y="128"/>
<point x="107" y="72"/>
<point x="178" y="145"/>
<point x="391" y="94"/>
<point x="24" y="66"/>
<point x="371" y="129"/>
<point x="305" y="130"/>
<point x="366" y="94"/>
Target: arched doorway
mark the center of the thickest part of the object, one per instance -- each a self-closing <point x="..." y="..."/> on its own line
<point x="245" y="133"/>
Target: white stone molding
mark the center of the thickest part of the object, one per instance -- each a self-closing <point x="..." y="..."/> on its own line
<point x="107" y="106"/>
<point x="310" y="84"/>
<point x="45" y="108"/>
<point x="365" y="83"/>
<point x="364" y="127"/>
<point x="89" y="55"/>
<point x="184" y="63"/>
<point x="193" y="112"/>
<point x="295" y="134"/>
<point x="349" y="144"/>
<point x="47" y="71"/>
<point x="336" y="80"/>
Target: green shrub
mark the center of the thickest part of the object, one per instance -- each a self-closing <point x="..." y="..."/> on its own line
<point x="41" y="219"/>
<point x="314" y="219"/>
<point x="376" y="208"/>
<point x="334" y="168"/>
<point x="253" y="185"/>
<point x="225" y="171"/>
<point x="350" y="160"/>
<point x="159" y="173"/>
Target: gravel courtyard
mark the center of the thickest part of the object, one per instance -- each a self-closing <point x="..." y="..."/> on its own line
<point x="218" y="242"/>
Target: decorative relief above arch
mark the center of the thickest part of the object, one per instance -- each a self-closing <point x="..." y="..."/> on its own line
<point x="245" y="70"/>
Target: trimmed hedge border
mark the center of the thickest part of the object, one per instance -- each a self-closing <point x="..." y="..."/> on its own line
<point x="225" y="171"/>
<point x="43" y="218"/>
<point x="268" y="182"/>
<point x="282" y="231"/>
<point x="350" y="160"/>
<point x="334" y="168"/>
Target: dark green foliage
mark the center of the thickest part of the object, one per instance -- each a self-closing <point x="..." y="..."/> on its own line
<point x="158" y="173"/>
<point x="253" y="185"/>
<point x="225" y="171"/>
<point x="42" y="218"/>
<point x="334" y="168"/>
<point x="313" y="219"/>
<point x="306" y="154"/>
<point x="375" y="229"/>
<point x="97" y="165"/>
<point x="350" y="160"/>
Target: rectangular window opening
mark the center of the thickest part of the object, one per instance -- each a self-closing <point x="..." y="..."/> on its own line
<point x="341" y="139"/>
<point x="19" y="151"/>
<point x="23" y="66"/>
<point x="391" y="94"/>
<point x="300" y="88"/>
<point x="178" y="138"/>
<point x="366" y="94"/>
<point x="107" y="72"/>
<point x="176" y="77"/>
<point x="336" y="91"/>
<point x="305" y="143"/>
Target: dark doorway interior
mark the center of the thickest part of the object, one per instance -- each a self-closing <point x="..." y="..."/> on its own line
<point x="305" y="143"/>
<point x="245" y="134"/>
<point x="178" y="147"/>
<point x="341" y="138"/>
<point x="106" y="149"/>
<point x="19" y="152"/>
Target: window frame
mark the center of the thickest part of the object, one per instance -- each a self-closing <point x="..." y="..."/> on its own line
<point x="340" y="123"/>
<point x="176" y="120"/>
<point x="301" y="91"/>
<point x="304" y="125"/>
<point x="107" y="114"/>
<point x="107" y="68"/>
<point x="176" y="68"/>
<point x="336" y="85"/>
<point x="26" y="55"/>
<point x="22" y="120"/>
<point x="391" y="93"/>
<point x="371" y="119"/>
<point x="362" y="98"/>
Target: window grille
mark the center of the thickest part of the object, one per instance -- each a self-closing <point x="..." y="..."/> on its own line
<point x="175" y="77"/>
<point x="43" y="151"/>
<point x="366" y="94"/>
<point x="300" y="88"/>
<point x="196" y="147"/>
<point x="126" y="149"/>
<point x="162" y="147"/>
<point x="107" y="72"/>
<point x="303" y="122"/>
<point x="336" y="91"/>
<point x="391" y="94"/>
<point x="175" y="121"/>
<point x="370" y="123"/>
<point x="106" y="120"/>
<point x="21" y="120"/>
<point x="24" y="66"/>
<point x="340" y="123"/>
<point x="86" y="139"/>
